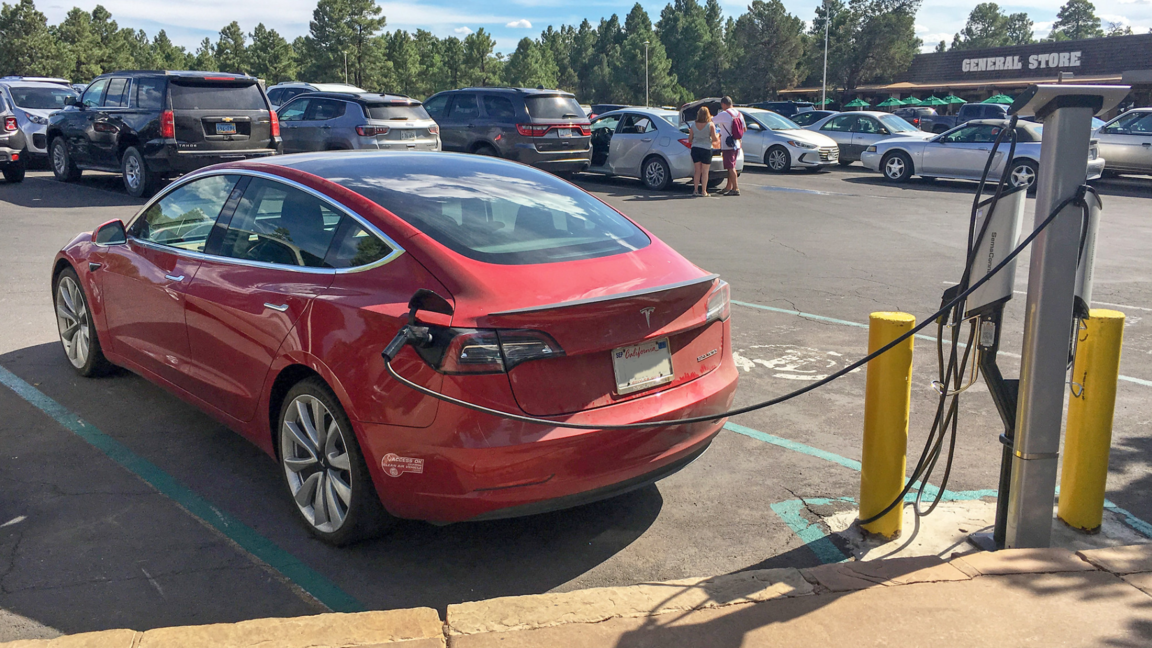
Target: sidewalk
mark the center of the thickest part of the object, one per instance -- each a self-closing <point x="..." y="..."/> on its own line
<point x="1025" y="597"/>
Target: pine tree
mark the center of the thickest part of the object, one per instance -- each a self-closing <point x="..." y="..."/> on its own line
<point x="479" y="64"/>
<point x="26" y="45"/>
<point x="432" y="77"/>
<point x="204" y="60"/>
<point x="270" y="56"/>
<point x="231" y="50"/>
<point x="1076" y="19"/>
<point x="531" y="65"/>
<point x="453" y="53"/>
<point x="405" y="60"/>
<point x="78" y="46"/>
<point x="630" y="70"/>
<point x="771" y="45"/>
<point x="345" y="28"/>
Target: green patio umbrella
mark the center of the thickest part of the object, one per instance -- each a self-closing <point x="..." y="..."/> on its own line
<point x="823" y="103"/>
<point x="857" y="103"/>
<point x="999" y="99"/>
<point x="953" y="99"/>
<point x="890" y="101"/>
<point x="933" y="101"/>
<point x="911" y="101"/>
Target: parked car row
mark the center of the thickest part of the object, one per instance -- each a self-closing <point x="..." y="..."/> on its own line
<point x="26" y="103"/>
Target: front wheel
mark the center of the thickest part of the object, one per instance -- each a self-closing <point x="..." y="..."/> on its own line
<point x="77" y="331"/>
<point x="897" y="167"/>
<point x="777" y="159"/>
<point x="1023" y="175"/>
<point x="655" y="174"/>
<point x="844" y="163"/>
<point x="63" y="167"/>
<point x="324" y="469"/>
<point x="139" y="180"/>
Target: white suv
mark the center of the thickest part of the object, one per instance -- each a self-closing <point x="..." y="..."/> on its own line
<point x="282" y="93"/>
<point x="33" y="100"/>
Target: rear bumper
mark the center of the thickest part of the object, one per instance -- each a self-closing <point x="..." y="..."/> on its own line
<point x="10" y="156"/>
<point x="476" y="466"/>
<point x="554" y="161"/>
<point x="167" y="158"/>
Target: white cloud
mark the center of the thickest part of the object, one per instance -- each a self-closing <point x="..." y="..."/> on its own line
<point x="520" y="24"/>
<point x="463" y="31"/>
<point x="1135" y="1"/>
<point x="1112" y="18"/>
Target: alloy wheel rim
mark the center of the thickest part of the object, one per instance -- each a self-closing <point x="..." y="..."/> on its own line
<point x="316" y="463"/>
<point x="776" y="160"/>
<point x="1023" y="176"/>
<point x="654" y="174"/>
<point x="58" y="158"/>
<point x="132" y="171"/>
<point x="894" y="168"/>
<point x="72" y="320"/>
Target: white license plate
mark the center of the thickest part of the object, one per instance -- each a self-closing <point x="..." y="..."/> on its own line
<point x="564" y="132"/>
<point x="407" y="134"/>
<point x="642" y="366"/>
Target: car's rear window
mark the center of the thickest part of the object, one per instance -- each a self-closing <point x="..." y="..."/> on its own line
<point x="42" y="98"/>
<point x="554" y="107"/>
<point x="216" y="97"/>
<point x="401" y="112"/>
<point x="493" y="211"/>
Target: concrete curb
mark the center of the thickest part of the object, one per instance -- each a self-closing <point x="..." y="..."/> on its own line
<point x="423" y="628"/>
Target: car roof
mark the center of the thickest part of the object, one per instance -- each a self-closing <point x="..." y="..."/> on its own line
<point x="511" y="90"/>
<point x="15" y="78"/>
<point x="363" y="97"/>
<point x="191" y="74"/>
<point x="36" y="84"/>
<point x="655" y="112"/>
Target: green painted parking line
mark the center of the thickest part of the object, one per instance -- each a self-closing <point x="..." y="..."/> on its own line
<point x="243" y="535"/>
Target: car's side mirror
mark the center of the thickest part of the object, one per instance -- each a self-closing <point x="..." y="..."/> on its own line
<point x="110" y="233"/>
<point x="884" y="131"/>
<point x="71" y="101"/>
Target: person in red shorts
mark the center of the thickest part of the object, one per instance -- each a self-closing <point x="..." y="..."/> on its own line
<point x="725" y="122"/>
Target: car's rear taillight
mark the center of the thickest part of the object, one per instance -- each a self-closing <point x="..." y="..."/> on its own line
<point x="686" y="142"/>
<point x="915" y="121"/>
<point x="433" y="130"/>
<point x="275" y="123"/>
<point x="372" y="131"/>
<point x="532" y="130"/>
<point x="473" y="351"/>
<point x="719" y="302"/>
<point x="10" y="124"/>
<point x="585" y="130"/>
<point x="167" y="125"/>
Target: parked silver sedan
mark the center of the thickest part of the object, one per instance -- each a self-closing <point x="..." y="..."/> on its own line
<point x="1126" y="142"/>
<point x="782" y="145"/>
<point x="962" y="153"/>
<point x="649" y="144"/>
<point x="857" y="130"/>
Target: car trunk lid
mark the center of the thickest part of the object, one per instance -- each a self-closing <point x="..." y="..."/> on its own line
<point x="220" y="113"/>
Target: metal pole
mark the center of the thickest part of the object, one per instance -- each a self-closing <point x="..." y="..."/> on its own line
<point x="646" y="73"/>
<point x="1047" y="329"/>
<point x="824" y="83"/>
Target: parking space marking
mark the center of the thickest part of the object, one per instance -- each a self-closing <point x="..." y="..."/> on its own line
<point x="257" y="546"/>
<point x="833" y="320"/>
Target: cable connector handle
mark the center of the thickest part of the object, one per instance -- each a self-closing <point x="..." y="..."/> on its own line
<point x="408" y="334"/>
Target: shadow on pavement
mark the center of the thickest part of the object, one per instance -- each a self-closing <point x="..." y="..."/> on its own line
<point x="93" y="550"/>
<point x="42" y="190"/>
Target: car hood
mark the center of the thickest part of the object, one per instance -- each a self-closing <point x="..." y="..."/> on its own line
<point x="41" y="112"/>
<point x="809" y="137"/>
<point x="906" y="142"/>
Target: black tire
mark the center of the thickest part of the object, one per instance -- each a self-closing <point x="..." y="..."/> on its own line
<point x="61" y="162"/>
<point x="655" y="174"/>
<point x="139" y="180"/>
<point x="1107" y="173"/>
<point x="897" y="167"/>
<point x="778" y="159"/>
<point x="364" y="515"/>
<point x="715" y="182"/>
<point x="485" y="149"/>
<point x="845" y="163"/>
<point x="1023" y="173"/>
<point x="15" y="172"/>
<point x="73" y="313"/>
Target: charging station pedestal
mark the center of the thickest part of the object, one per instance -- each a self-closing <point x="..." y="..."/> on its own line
<point x="1066" y="111"/>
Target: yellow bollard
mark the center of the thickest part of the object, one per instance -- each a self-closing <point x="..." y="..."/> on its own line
<point x="887" y="397"/>
<point x="1089" y="436"/>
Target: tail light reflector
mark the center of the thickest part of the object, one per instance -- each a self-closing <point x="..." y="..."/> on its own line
<point x="10" y="124"/>
<point x="472" y="351"/>
<point x="532" y="130"/>
<point x="719" y="302"/>
<point x="433" y="130"/>
<point x="167" y="125"/>
<point x="372" y="131"/>
<point x="686" y="142"/>
<point x="275" y="123"/>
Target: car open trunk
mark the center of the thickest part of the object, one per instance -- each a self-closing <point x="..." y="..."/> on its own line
<point x="219" y="114"/>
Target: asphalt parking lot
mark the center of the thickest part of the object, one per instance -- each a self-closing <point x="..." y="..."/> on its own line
<point x="120" y="506"/>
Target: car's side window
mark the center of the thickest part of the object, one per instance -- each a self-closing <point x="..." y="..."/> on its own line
<point x="636" y="124"/>
<point x="117" y="95"/>
<point x="275" y="223"/>
<point x="275" y="94"/>
<point x="325" y="109"/>
<point x="184" y="218"/>
<point x="867" y="125"/>
<point x="465" y="107"/>
<point x="841" y="123"/>
<point x="437" y="105"/>
<point x="94" y="93"/>
<point x="1131" y="124"/>
<point x="294" y="111"/>
<point x="498" y="107"/>
<point x="752" y="124"/>
<point x="960" y="135"/>
<point x="149" y="94"/>
<point x="606" y="124"/>
<point x="355" y="246"/>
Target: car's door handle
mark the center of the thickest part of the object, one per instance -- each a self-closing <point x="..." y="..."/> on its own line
<point x="325" y="126"/>
<point x="276" y="307"/>
<point x="174" y="277"/>
<point x="646" y="139"/>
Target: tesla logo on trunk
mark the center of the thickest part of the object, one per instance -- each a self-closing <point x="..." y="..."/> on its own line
<point x="648" y="315"/>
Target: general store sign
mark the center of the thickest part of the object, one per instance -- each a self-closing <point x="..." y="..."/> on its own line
<point x="1034" y="62"/>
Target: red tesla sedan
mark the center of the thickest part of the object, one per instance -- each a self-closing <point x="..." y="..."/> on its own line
<point x="264" y="292"/>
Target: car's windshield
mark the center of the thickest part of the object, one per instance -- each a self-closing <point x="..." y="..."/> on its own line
<point x="42" y="98"/>
<point x="774" y="121"/>
<point x="400" y="112"/>
<point x="555" y="107"/>
<point x="896" y="124"/>
<point x="493" y="211"/>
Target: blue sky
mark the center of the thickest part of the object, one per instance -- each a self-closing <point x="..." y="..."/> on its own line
<point x="509" y="21"/>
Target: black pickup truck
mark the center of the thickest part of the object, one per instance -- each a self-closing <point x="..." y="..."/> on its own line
<point x="968" y="112"/>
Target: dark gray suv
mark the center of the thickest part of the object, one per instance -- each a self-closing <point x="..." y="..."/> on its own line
<point x="544" y="128"/>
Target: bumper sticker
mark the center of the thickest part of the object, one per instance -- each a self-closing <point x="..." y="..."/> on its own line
<point x="395" y="465"/>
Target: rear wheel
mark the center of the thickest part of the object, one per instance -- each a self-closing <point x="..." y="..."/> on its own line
<point x="63" y="167"/>
<point x="655" y="174"/>
<point x="139" y="180"/>
<point x="14" y="172"/>
<point x="324" y="469"/>
<point x="77" y="331"/>
<point x="777" y="159"/>
<point x="485" y="149"/>
<point x="1023" y="175"/>
<point x="897" y="166"/>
